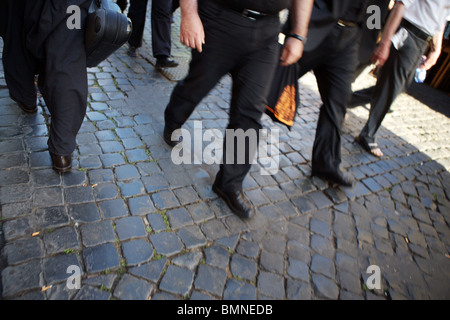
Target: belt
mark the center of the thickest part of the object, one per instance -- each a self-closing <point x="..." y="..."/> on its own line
<point x="248" y="13"/>
<point x="252" y="14"/>
<point x="415" y="30"/>
<point x="344" y="23"/>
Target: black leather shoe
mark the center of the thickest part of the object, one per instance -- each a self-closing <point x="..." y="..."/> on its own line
<point x="237" y="202"/>
<point x="167" y="136"/>
<point x="360" y="97"/>
<point x="165" y="62"/>
<point x="357" y="100"/>
<point x="337" y="177"/>
<point x="61" y="163"/>
<point x="132" y="52"/>
<point x="24" y="107"/>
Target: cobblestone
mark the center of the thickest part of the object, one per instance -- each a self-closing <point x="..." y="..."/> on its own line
<point x="177" y="280"/>
<point x="143" y="227"/>
<point x="131" y="288"/>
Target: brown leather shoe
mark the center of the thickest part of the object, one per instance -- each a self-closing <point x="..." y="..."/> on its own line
<point x="61" y="163"/>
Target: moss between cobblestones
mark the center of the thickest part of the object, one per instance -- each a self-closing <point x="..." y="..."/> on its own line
<point x="165" y="220"/>
<point x="157" y="256"/>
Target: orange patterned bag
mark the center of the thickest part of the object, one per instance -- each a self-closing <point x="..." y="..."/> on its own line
<point x="284" y="98"/>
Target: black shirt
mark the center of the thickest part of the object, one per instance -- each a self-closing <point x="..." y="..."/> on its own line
<point x="356" y="11"/>
<point x="266" y="6"/>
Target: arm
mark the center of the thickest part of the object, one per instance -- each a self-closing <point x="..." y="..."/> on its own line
<point x="191" y="29"/>
<point x="293" y="48"/>
<point x="381" y="52"/>
<point x="435" y="51"/>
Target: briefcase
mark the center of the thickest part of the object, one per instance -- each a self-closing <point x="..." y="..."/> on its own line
<point x="107" y="29"/>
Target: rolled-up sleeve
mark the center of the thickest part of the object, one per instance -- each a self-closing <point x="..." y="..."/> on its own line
<point x="407" y="3"/>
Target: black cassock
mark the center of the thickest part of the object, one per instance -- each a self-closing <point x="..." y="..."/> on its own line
<point x="38" y="41"/>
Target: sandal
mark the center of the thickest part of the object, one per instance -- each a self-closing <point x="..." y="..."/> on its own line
<point x="372" y="148"/>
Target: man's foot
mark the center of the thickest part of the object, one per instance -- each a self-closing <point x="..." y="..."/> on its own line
<point x="167" y="136"/>
<point x="132" y="52"/>
<point x="334" y="176"/>
<point x="23" y="106"/>
<point x="372" y="147"/>
<point x="61" y="163"/>
<point x="236" y="201"/>
<point x="165" y="62"/>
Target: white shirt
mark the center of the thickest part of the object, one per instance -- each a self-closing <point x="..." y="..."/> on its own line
<point x="428" y="15"/>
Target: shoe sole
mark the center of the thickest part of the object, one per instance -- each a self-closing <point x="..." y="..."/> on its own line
<point x="172" y="143"/>
<point x="327" y="178"/>
<point x="164" y="67"/>
<point x="62" y="170"/>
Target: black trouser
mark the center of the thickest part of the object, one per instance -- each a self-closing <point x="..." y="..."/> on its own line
<point x="38" y="41"/>
<point x="137" y="13"/>
<point x="175" y="5"/>
<point x="161" y="25"/>
<point x="123" y="4"/>
<point x="393" y="78"/>
<point x="249" y="51"/>
<point x="19" y="65"/>
<point x="333" y="63"/>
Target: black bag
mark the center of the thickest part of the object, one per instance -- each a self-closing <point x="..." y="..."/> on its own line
<point x="107" y="29"/>
<point x="284" y="98"/>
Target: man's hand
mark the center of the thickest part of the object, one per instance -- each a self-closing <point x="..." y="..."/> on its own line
<point x="435" y="51"/>
<point x="292" y="51"/>
<point x="300" y="14"/>
<point x="431" y="60"/>
<point x="191" y="28"/>
<point x="381" y="54"/>
<point x="192" y="33"/>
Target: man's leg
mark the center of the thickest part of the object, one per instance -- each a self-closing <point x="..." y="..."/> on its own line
<point x="19" y="65"/>
<point x="175" y="5"/>
<point x="204" y="73"/>
<point x="250" y="83"/>
<point x="63" y="83"/>
<point x="161" y="33"/>
<point x="220" y="55"/>
<point x="137" y="12"/>
<point x="334" y="78"/>
<point x="123" y="4"/>
<point x="251" y="80"/>
<point x="394" y="77"/>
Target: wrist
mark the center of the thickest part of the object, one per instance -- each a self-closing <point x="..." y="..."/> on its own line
<point x="385" y="43"/>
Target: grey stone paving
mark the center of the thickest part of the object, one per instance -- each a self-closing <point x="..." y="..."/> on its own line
<point x="139" y="226"/>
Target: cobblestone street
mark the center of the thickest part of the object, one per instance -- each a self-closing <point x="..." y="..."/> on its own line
<point x="140" y="227"/>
